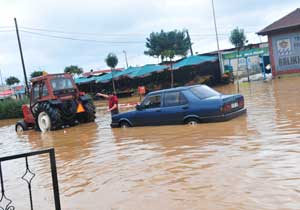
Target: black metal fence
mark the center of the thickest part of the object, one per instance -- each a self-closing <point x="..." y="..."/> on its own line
<point x="5" y="202"/>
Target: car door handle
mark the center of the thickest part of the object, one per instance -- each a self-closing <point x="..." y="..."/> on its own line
<point x="158" y="110"/>
<point x="185" y="107"/>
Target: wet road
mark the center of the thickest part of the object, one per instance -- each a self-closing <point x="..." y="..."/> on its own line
<point x="251" y="162"/>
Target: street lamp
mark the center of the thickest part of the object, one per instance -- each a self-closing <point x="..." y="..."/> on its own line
<point x="217" y="37"/>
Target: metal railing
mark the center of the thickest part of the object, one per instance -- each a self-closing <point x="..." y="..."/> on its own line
<point x="28" y="176"/>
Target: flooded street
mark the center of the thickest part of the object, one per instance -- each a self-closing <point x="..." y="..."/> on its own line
<point x="251" y="162"/>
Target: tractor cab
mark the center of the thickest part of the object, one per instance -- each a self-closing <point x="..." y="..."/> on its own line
<point x="55" y="101"/>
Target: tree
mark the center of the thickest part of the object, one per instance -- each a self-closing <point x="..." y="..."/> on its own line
<point x="36" y="74"/>
<point x="12" y="80"/>
<point x="238" y="39"/>
<point x="112" y="61"/>
<point x="73" y="70"/>
<point x="170" y="54"/>
<point x="160" y="42"/>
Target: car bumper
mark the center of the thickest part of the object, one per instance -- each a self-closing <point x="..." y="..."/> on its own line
<point x="225" y="117"/>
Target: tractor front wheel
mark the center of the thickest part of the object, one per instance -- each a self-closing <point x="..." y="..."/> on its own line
<point x="21" y="126"/>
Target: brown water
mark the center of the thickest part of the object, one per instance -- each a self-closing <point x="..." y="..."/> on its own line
<point x="251" y="162"/>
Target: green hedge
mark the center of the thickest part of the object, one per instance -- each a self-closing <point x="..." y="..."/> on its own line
<point x="10" y="108"/>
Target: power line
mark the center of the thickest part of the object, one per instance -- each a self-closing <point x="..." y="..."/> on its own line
<point x="79" y="33"/>
<point x="84" y="40"/>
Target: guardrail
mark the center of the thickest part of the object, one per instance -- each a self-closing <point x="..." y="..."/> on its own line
<point x="5" y="202"/>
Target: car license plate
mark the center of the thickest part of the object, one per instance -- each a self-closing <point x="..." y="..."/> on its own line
<point x="234" y="105"/>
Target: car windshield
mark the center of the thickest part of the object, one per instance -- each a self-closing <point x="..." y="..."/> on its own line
<point x="61" y="83"/>
<point x="204" y="91"/>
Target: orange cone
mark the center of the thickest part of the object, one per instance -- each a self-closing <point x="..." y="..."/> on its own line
<point x="80" y="108"/>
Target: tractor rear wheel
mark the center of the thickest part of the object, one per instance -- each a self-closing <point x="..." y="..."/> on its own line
<point x="47" y="117"/>
<point x="89" y="115"/>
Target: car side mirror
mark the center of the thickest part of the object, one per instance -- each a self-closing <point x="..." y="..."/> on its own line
<point x="138" y="107"/>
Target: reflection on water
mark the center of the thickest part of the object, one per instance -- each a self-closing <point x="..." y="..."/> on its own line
<point x="250" y="162"/>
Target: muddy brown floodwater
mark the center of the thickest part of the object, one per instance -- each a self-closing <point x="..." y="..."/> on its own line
<point x="251" y="162"/>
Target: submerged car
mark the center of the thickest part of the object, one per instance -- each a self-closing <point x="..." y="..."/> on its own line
<point x="182" y="105"/>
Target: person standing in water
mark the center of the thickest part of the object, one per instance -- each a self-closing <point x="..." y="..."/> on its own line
<point x="112" y="102"/>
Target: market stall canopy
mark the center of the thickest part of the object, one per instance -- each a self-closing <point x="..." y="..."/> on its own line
<point x="117" y="75"/>
<point x="146" y="70"/>
<point x="194" y="60"/>
<point x="82" y="80"/>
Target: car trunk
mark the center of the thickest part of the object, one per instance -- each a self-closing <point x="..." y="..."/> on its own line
<point x="231" y="103"/>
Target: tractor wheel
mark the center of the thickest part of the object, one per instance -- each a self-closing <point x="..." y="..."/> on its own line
<point x="89" y="115"/>
<point x="47" y="117"/>
<point x="21" y="126"/>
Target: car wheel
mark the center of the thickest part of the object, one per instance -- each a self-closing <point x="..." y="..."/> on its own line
<point x="124" y="124"/>
<point x="192" y="121"/>
<point x="21" y="126"/>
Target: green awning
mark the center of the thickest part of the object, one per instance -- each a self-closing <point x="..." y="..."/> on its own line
<point x="147" y="70"/>
<point x="82" y="80"/>
<point x="194" y="60"/>
<point x="117" y="75"/>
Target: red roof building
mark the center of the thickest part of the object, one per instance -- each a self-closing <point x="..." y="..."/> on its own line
<point x="284" y="44"/>
<point x="100" y="72"/>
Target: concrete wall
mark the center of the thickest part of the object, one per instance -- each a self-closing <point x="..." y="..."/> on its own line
<point x="285" y="52"/>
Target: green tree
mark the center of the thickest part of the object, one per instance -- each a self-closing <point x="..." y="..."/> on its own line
<point x="112" y="61"/>
<point x="73" y="70"/>
<point x="238" y="39"/>
<point x="12" y="80"/>
<point x="36" y="74"/>
<point x="160" y="42"/>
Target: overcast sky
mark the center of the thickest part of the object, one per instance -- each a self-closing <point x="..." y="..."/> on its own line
<point x="115" y="26"/>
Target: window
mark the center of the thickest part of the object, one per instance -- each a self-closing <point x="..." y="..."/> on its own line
<point x="61" y="83"/>
<point x="151" y="102"/>
<point x="44" y="90"/>
<point x="174" y="99"/>
<point x="36" y="92"/>
<point x="204" y="91"/>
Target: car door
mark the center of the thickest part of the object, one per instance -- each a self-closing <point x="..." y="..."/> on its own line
<point x="175" y="106"/>
<point x="149" y="111"/>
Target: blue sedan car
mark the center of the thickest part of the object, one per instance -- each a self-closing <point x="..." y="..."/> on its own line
<point x="182" y="105"/>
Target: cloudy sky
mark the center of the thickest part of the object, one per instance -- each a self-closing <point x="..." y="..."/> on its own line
<point x="57" y="33"/>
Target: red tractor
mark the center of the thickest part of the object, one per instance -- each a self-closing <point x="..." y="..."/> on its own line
<point x="55" y="101"/>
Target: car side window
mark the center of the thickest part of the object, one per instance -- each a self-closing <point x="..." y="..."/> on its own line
<point x="152" y="102"/>
<point x="174" y="99"/>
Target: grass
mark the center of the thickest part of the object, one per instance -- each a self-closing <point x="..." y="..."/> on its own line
<point x="10" y="108"/>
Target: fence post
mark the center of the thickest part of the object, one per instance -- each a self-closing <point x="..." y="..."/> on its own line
<point x="54" y="179"/>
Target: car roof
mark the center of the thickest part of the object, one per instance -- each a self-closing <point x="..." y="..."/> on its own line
<point x="173" y="89"/>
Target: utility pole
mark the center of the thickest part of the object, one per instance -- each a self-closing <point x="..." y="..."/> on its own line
<point x="21" y="53"/>
<point x="126" y="58"/>
<point x="217" y="37"/>
<point x="188" y="36"/>
<point x="1" y="78"/>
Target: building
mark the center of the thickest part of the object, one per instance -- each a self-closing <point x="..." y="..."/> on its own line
<point x="251" y="59"/>
<point x="284" y="44"/>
